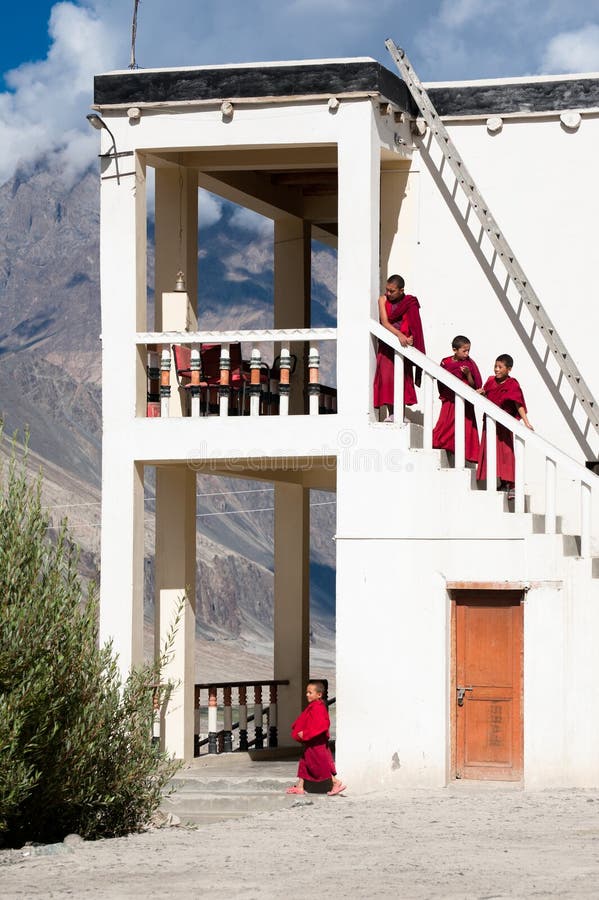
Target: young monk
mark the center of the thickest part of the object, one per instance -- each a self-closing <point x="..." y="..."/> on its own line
<point x="311" y="729"/>
<point x="466" y="369"/>
<point x="504" y="391"/>
<point x="398" y="312"/>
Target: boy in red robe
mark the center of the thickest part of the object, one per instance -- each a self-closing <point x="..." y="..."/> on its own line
<point x="311" y="729"/>
<point x="465" y="369"/>
<point x="505" y="392"/>
<point x="398" y="312"/>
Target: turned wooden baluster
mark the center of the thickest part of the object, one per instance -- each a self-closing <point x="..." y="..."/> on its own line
<point x="165" y="382"/>
<point x="273" y="735"/>
<point x="212" y="720"/>
<point x="153" y="390"/>
<point x="243" y="718"/>
<point x="313" y="380"/>
<point x="156" y="715"/>
<point x="255" y="386"/>
<point x="227" y="720"/>
<point x="224" y="389"/>
<point x="197" y="727"/>
<point x="258" y="730"/>
<point x="195" y="367"/>
<point x="284" y="378"/>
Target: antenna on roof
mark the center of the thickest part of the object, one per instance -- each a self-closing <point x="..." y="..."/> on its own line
<point x="132" y="62"/>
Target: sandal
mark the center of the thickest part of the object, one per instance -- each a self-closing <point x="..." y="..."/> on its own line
<point x="295" y="790"/>
<point x="337" y="788"/>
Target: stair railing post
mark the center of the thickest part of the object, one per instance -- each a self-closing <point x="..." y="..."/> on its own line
<point x="258" y="729"/>
<point x="195" y="389"/>
<point x="585" y="519"/>
<point x="224" y="389"/>
<point x="243" y="718"/>
<point x="255" y="386"/>
<point x="427" y="437"/>
<point x="460" y="433"/>
<point x="519" y="448"/>
<point x="153" y="389"/>
<point x="491" y="453"/>
<point x="227" y="720"/>
<point x="165" y="382"/>
<point x="550" y="495"/>
<point x="273" y="736"/>
<point x="398" y="388"/>
<point x="196" y="720"/>
<point x="212" y="720"/>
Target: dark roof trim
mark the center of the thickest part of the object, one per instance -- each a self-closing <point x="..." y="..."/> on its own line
<point x="176" y="85"/>
<point x="522" y="97"/>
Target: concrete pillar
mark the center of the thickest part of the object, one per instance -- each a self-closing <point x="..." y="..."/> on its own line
<point x="292" y="293"/>
<point x="175" y="567"/>
<point x="292" y="601"/>
<point x="399" y="221"/>
<point x="358" y="257"/>
<point x="123" y="279"/>
<point x="176" y="235"/>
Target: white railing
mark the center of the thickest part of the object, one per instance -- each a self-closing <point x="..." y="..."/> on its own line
<point x="259" y="388"/>
<point x="556" y="461"/>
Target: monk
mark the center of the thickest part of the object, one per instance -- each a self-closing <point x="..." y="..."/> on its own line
<point x="464" y="368"/>
<point x="311" y="729"/>
<point x="505" y="392"/>
<point x="399" y="314"/>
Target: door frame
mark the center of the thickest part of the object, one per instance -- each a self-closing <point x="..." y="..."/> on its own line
<point x="471" y="591"/>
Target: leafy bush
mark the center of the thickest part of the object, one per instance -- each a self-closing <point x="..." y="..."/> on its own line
<point x="75" y="747"/>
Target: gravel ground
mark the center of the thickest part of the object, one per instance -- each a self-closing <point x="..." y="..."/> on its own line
<point x="467" y="841"/>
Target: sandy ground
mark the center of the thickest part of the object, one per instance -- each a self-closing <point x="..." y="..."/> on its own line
<point x="467" y="841"/>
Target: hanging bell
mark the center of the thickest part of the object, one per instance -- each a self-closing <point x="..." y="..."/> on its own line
<point x="180" y="282"/>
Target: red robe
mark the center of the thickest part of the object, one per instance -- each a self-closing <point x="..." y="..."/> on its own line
<point x="444" y="430"/>
<point x="506" y="394"/>
<point x="317" y="762"/>
<point x="404" y="316"/>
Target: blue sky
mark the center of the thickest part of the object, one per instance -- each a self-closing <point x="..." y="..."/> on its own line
<point x="50" y="51"/>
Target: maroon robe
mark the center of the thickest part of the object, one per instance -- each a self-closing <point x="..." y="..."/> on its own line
<point x="506" y="394"/>
<point x="404" y="316"/>
<point x="317" y="762"/>
<point x="444" y="430"/>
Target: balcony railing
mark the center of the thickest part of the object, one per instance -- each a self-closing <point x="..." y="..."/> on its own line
<point x="236" y="716"/>
<point x="203" y="373"/>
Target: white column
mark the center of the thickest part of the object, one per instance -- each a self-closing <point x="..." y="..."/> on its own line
<point x="358" y="257"/>
<point x="292" y="273"/>
<point x="175" y="569"/>
<point x="123" y="280"/>
<point x="292" y="601"/>
<point x="176" y="236"/>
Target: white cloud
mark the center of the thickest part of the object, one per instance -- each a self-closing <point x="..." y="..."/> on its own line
<point x="43" y="113"/>
<point x="576" y="51"/>
<point x="210" y="209"/>
<point x="456" y="13"/>
<point x="252" y="221"/>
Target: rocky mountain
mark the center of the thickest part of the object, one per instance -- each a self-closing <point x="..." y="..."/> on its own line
<point x="50" y="382"/>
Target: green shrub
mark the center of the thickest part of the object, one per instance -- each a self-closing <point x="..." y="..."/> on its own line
<point x="75" y="748"/>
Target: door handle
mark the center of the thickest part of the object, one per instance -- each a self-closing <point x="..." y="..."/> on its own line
<point x="462" y="693"/>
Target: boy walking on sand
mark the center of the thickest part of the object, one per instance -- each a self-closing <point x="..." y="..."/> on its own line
<point x="311" y="729"/>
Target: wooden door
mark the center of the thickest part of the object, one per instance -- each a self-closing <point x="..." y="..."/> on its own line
<point x="488" y="685"/>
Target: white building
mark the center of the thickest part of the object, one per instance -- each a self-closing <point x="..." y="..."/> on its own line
<point x="439" y="586"/>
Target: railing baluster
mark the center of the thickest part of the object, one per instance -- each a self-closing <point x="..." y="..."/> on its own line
<point x="284" y="373"/>
<point x="427" y="438"/>
<point x="398" y="388"/>
<point x="460" y="432"/>
<point x="227" y="720"/>
<point x="165" y="382"/>
<point x="585" y="520"/>
<point x="197" y="719"/>
<point x="224" y="388"/>
<point x="255" y="386"/>
<point x="273" y="735"/>
<point x="212" y="720"/>
<point x="153" y="390"/>
<point x="519" y="473"/>
<point x="550" y="495"/>
<point x="195" y="390"/>
<point x="258" y="730"/>
<point x="243" y="718"/>
<point x="491" y="454"/>
<point x="314" y="381"/>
